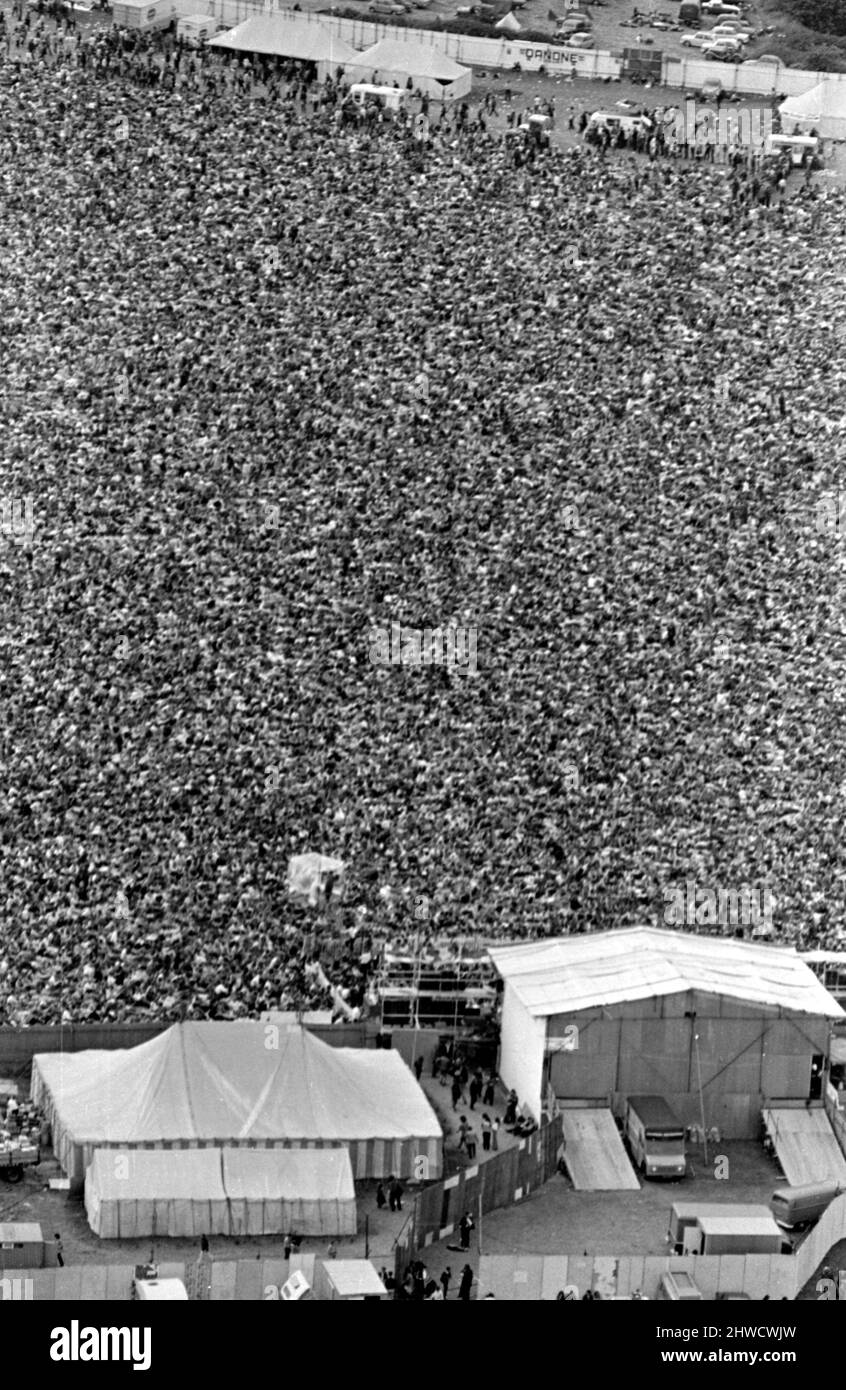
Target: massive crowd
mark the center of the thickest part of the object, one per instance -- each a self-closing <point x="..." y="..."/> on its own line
<point x="270" y="382"/>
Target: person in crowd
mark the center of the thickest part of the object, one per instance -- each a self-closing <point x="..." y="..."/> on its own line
<point x="465" y="1227"/>
<point x="487" y="1130"/>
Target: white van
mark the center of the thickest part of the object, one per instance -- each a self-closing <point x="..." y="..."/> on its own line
<point x="613" y="121"/>
<point x="196" y="29"/>
<point x="799" y="147"/>
<point x="366" y="94"/>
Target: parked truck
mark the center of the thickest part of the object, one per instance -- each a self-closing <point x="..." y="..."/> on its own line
<point x="739" y="1235"/>
<point x="655" y="1137"/>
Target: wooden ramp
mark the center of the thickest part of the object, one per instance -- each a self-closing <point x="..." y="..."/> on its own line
<point x="806" y="1146"/>
<point x="594" y="1153"/>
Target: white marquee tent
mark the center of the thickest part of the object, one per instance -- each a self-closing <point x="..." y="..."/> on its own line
<point x="247" y="1084"/>
<point x="280" y="36"/>
<point x="394" y="61"/>
<point x="131" y="1193"/>
<point x="822" y="109"/>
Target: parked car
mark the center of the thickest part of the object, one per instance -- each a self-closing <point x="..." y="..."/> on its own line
<point x="385" y="7"/>
<point x="695" y="40"/>
<point x="690" y="13"/>
<point x="722" y="31"/>
<point x="574" y="24"/>
<point x="582" y="41"/>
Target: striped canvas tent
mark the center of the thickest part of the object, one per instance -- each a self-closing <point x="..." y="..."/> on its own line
<point x="248" y="1084"/>
<point x="130" y="1193"/>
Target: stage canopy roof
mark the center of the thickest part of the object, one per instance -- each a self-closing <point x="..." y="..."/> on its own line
<point x="569" y="973"/>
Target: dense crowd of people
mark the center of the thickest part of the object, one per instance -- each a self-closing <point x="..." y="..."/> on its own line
<point x="271" y="382"/>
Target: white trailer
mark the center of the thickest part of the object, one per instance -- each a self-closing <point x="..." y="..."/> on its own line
<point x="144" y="14"/>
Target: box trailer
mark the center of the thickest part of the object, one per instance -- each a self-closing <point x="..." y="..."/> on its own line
<point x="739" y="1235"/>
<point x="655" y="1137"/>
<point x="196" y="29"/>
<point x="684" y="1216"/>
<point x="141" y="14"/>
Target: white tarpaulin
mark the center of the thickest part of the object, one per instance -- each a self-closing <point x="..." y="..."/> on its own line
<point x="315" y="876"/>
<point x="130" y="1193"/>
<point x="245" y="1083"/>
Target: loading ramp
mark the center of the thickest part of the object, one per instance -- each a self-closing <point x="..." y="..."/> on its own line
<point x="594" y="1154"/>
<point x="806" y="1146"/>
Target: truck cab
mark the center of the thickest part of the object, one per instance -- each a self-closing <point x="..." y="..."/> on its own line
<point x="655" y="1137"/>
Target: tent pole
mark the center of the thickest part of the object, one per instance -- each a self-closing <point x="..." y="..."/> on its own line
<point x="701" y="1099"/>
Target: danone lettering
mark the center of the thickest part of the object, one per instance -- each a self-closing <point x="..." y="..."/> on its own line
<point x="551" y="55"/>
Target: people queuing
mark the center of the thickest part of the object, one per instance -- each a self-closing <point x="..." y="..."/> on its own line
<point x="272" y="381"/>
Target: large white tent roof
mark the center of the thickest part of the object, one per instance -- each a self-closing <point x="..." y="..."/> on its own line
<point x="286" y="38"/>
<point x="414" y="59"/>
<point x="825" y="99"/>
<point x="571" y="973"/>
<point x="235" y="1081"/>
